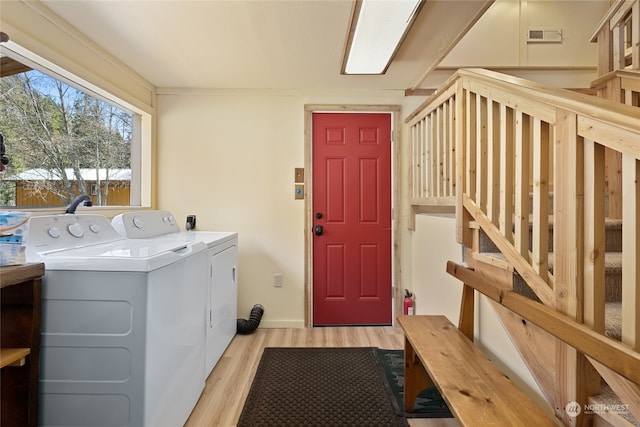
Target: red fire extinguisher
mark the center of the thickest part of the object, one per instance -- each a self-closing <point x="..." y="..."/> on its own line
<point x="408" y="302"/>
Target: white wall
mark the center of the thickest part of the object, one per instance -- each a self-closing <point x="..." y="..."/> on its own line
<point x="498" y="40"/>
<point x="499" y="37"/>
<point x="431" y="245"/>
<point x="229" y="158"/>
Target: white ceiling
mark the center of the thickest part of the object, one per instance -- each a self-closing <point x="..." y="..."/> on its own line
<point x="285" y="44"/>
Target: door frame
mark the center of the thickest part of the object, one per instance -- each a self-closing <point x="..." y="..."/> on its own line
<point x="394" y="111"/>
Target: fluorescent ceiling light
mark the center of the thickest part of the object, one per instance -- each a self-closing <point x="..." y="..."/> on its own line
<point x="377" y="29"/>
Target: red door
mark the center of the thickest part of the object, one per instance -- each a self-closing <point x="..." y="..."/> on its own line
<point x="352" y="219"/>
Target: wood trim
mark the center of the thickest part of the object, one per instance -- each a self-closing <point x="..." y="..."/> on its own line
<point x="447" y="91"/>
<point x="419" y="92"/>
<point x="625" y="75"/>
<point x="567" y="236"/>
<point x="613" y="354"/>
<point x="594" y="237"/>
<point x="537" y="348"/>
<point x="610" y="135"/>
<point x="503" y="68"/>
<point x="603" y="25"/>
<point x="467" y="309"/>
<point x="631" y="252"/>
<point x="539" y="99"/>
<point x="353" y="21"/>
<point x="418" y="209"/>
<point x="463" y="233"/>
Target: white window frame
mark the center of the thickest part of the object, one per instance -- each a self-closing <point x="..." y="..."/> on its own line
<point x="141" y="138"/>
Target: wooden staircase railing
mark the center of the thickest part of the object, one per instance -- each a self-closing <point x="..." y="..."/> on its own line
<point x="497" y="147"/>
<point x="618" y="38"/>
<point x="621" y="86"/>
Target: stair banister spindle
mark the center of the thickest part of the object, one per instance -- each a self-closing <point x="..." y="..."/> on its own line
<point x="541" y="155"/>
<point x="631" y="251"/>
<point x="521" y="238"/>
<point x="594" y="236"/>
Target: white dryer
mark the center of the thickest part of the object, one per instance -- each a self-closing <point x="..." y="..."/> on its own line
<point x="222" y="270"/>
<point x="122" y="333"/>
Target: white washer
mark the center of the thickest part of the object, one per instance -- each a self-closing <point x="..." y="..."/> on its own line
<point x="122" y="333"/>
<point x="222" y="270"/>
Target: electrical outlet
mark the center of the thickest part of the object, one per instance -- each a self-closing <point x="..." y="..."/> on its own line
<point x="277" y="280"/>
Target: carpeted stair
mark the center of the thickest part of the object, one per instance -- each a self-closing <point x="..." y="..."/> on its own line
<point x="608" y="399"/>
<point x="613" y="298"/>
<point x="613" y="272"/>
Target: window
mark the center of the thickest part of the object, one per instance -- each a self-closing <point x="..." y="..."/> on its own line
<point x="62" y="140"/>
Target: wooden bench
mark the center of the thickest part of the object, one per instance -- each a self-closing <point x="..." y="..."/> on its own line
<point x="438" y="353"/>
<point x="475" y="390"/>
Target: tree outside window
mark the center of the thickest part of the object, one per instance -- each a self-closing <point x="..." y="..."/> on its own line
<point x="61" y="142"/>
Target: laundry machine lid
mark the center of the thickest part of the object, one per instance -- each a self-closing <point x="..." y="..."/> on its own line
<point x="124" y="255"/>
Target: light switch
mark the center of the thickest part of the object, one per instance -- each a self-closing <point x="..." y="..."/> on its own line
<point x="299" y="191"/>
<point x="299" y="175"/>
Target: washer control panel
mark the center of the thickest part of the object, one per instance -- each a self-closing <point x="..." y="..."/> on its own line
<point x="58" y="232"/>
<point x="145" y="224"/>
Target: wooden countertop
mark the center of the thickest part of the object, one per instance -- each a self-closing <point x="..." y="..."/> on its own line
<point x="14" y="274"/>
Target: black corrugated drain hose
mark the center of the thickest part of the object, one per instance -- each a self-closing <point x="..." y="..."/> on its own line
<point x="249" y="326"/>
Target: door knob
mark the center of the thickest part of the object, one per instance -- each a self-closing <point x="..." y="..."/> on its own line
<point x="318" y="215"/>
<point x="317" y="230"/>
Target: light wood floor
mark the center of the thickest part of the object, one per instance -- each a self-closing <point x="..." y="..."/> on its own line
<point x="228" y="385"/>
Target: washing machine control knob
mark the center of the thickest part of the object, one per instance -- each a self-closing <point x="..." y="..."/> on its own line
<point x="76" y="230"/>
<point x="168" y="219"/>
<point x="94" y="228"/>
<point x="54" y="232"/>
<point x="138" y="223"/>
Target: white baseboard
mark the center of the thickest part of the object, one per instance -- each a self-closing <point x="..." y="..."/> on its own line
<point x="282" y="324"/>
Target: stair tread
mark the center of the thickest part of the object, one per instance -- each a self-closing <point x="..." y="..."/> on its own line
<point x="612" y="230"/>
<point x="613" y="320"/>
<point x="609" y="399"/>
<point x="612" y="260"/>
<point x="608" y="222"/>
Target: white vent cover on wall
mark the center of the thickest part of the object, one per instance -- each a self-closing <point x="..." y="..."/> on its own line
<point x="544" y="35"/>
